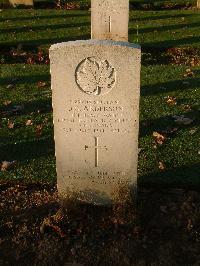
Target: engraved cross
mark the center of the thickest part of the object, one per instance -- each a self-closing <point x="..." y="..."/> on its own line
<point x="110" y="23"/>
<point x="96" y="147"/>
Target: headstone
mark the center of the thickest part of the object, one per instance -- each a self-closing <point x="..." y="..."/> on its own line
<point x="110" y="19"/>
<point x="15" y="3"/>
<point x="198" y="4"/>
<point x="96" y="87"/>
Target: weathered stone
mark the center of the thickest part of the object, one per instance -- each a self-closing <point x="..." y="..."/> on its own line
<point x="198" y="4"/>
<point x="21" y="2"/>
<point x="110" y="19"/>
<point x="96" y="87"/>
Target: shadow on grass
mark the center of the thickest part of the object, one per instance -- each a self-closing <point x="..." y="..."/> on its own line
<point x="33" y="79"/>
<point x="49" y="41"/>
<point x="27" y="150"/>
<point x="43" y="105"/>
<point x="43" y="17"/>
<point x="45" y="27"/>
<point x="158" y="16"/>
<point x="170" y="86"/>
<point x="185" y="176"/>
<point x="166" y="28"/>
<point x="174" y="43"/>
<point x="162" y="123"/>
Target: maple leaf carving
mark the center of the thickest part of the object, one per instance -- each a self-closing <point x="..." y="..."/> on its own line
<point x="95" y="77"/>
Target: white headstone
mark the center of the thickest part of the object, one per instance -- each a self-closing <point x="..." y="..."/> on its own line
<point x="96" y="88"/>
<point x="21" y="2"/>
<point x="198" y="4"/>
<point x="110" y="19"/>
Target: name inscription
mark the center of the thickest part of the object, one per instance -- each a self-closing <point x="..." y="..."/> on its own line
<point x="88" y="116"/>
<point x="99" y="177"/>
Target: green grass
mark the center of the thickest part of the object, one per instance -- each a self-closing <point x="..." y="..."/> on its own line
<point x="35" y="154"/>
<point x="36" y="28"/>
<point x="34" y="151"/>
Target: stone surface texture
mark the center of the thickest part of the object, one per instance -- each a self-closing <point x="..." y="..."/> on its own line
<point x="110" y="19"/>
<point x="21" y="2"/>
<point x="198" y="4"/>
<point x="96" y="87"/>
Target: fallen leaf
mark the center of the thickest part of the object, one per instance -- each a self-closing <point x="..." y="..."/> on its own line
<point x="38" y="130"/>
<point x="47" y="61"/>
<point x="47" y="224"/>
<point x="182" y="120"/>
<point x="193" y="131"/>
<point x="160" y="139"/>
<point x="188" y="73"/>
<point x="41" y="84"/>
<point x="10" y="124"/>
<point x="5" y="165"/>
<point x="6" y="103"/>
<point x="29" y="123"/>
<point x="30" y="61"/>
<point x="9" y="86"/>
<point x="186" y="107"/>
<point x="161" y="166"/>
<point x="40" y="56"/>
<point x="171" y="100"/>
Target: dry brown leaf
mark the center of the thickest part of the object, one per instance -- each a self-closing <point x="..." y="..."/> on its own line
<point x="160" y="139"/>
<point x="41" y="84"/>
<point x="5" y="165"/>
<point x="29" y="123"/>
<point x="193" y="131"/>
<point x="38" y="130"/>
<point x="10" y="86"/>
<point x="10" y="124"/>
<point x="161" y="166"/>
<point x="188" y="73"/>
<point x="186" y="107"/>
<point x="48" y="224"/>
<point x="6" y="103"/>
<point x="30" y="60"/>
<point x="171" y="100"/>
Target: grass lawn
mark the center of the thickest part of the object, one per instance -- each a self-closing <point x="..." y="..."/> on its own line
<point x="25" y="94"/>
<point x="159" y="29"/>
<point x="34" y="228"/>
<point x="33" y="147"/>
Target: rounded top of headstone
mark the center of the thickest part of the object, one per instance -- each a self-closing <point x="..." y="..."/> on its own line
<point x="94" y="42"/>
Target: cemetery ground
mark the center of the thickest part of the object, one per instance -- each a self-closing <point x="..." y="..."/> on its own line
<point x="34" y="230"/>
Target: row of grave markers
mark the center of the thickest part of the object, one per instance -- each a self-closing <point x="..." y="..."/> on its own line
<point x="96" y="90"/>
<point x="31" y="3"/>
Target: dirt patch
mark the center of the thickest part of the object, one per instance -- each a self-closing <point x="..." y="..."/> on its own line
<point x="35" y="230"/>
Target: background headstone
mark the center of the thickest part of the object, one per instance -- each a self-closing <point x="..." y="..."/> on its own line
<point x="110" y="19"/>
<point x="15" y="3"/>
<point x="95" y="87"/>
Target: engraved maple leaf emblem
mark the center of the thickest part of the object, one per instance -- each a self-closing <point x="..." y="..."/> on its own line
<point x="95" y="77"/>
